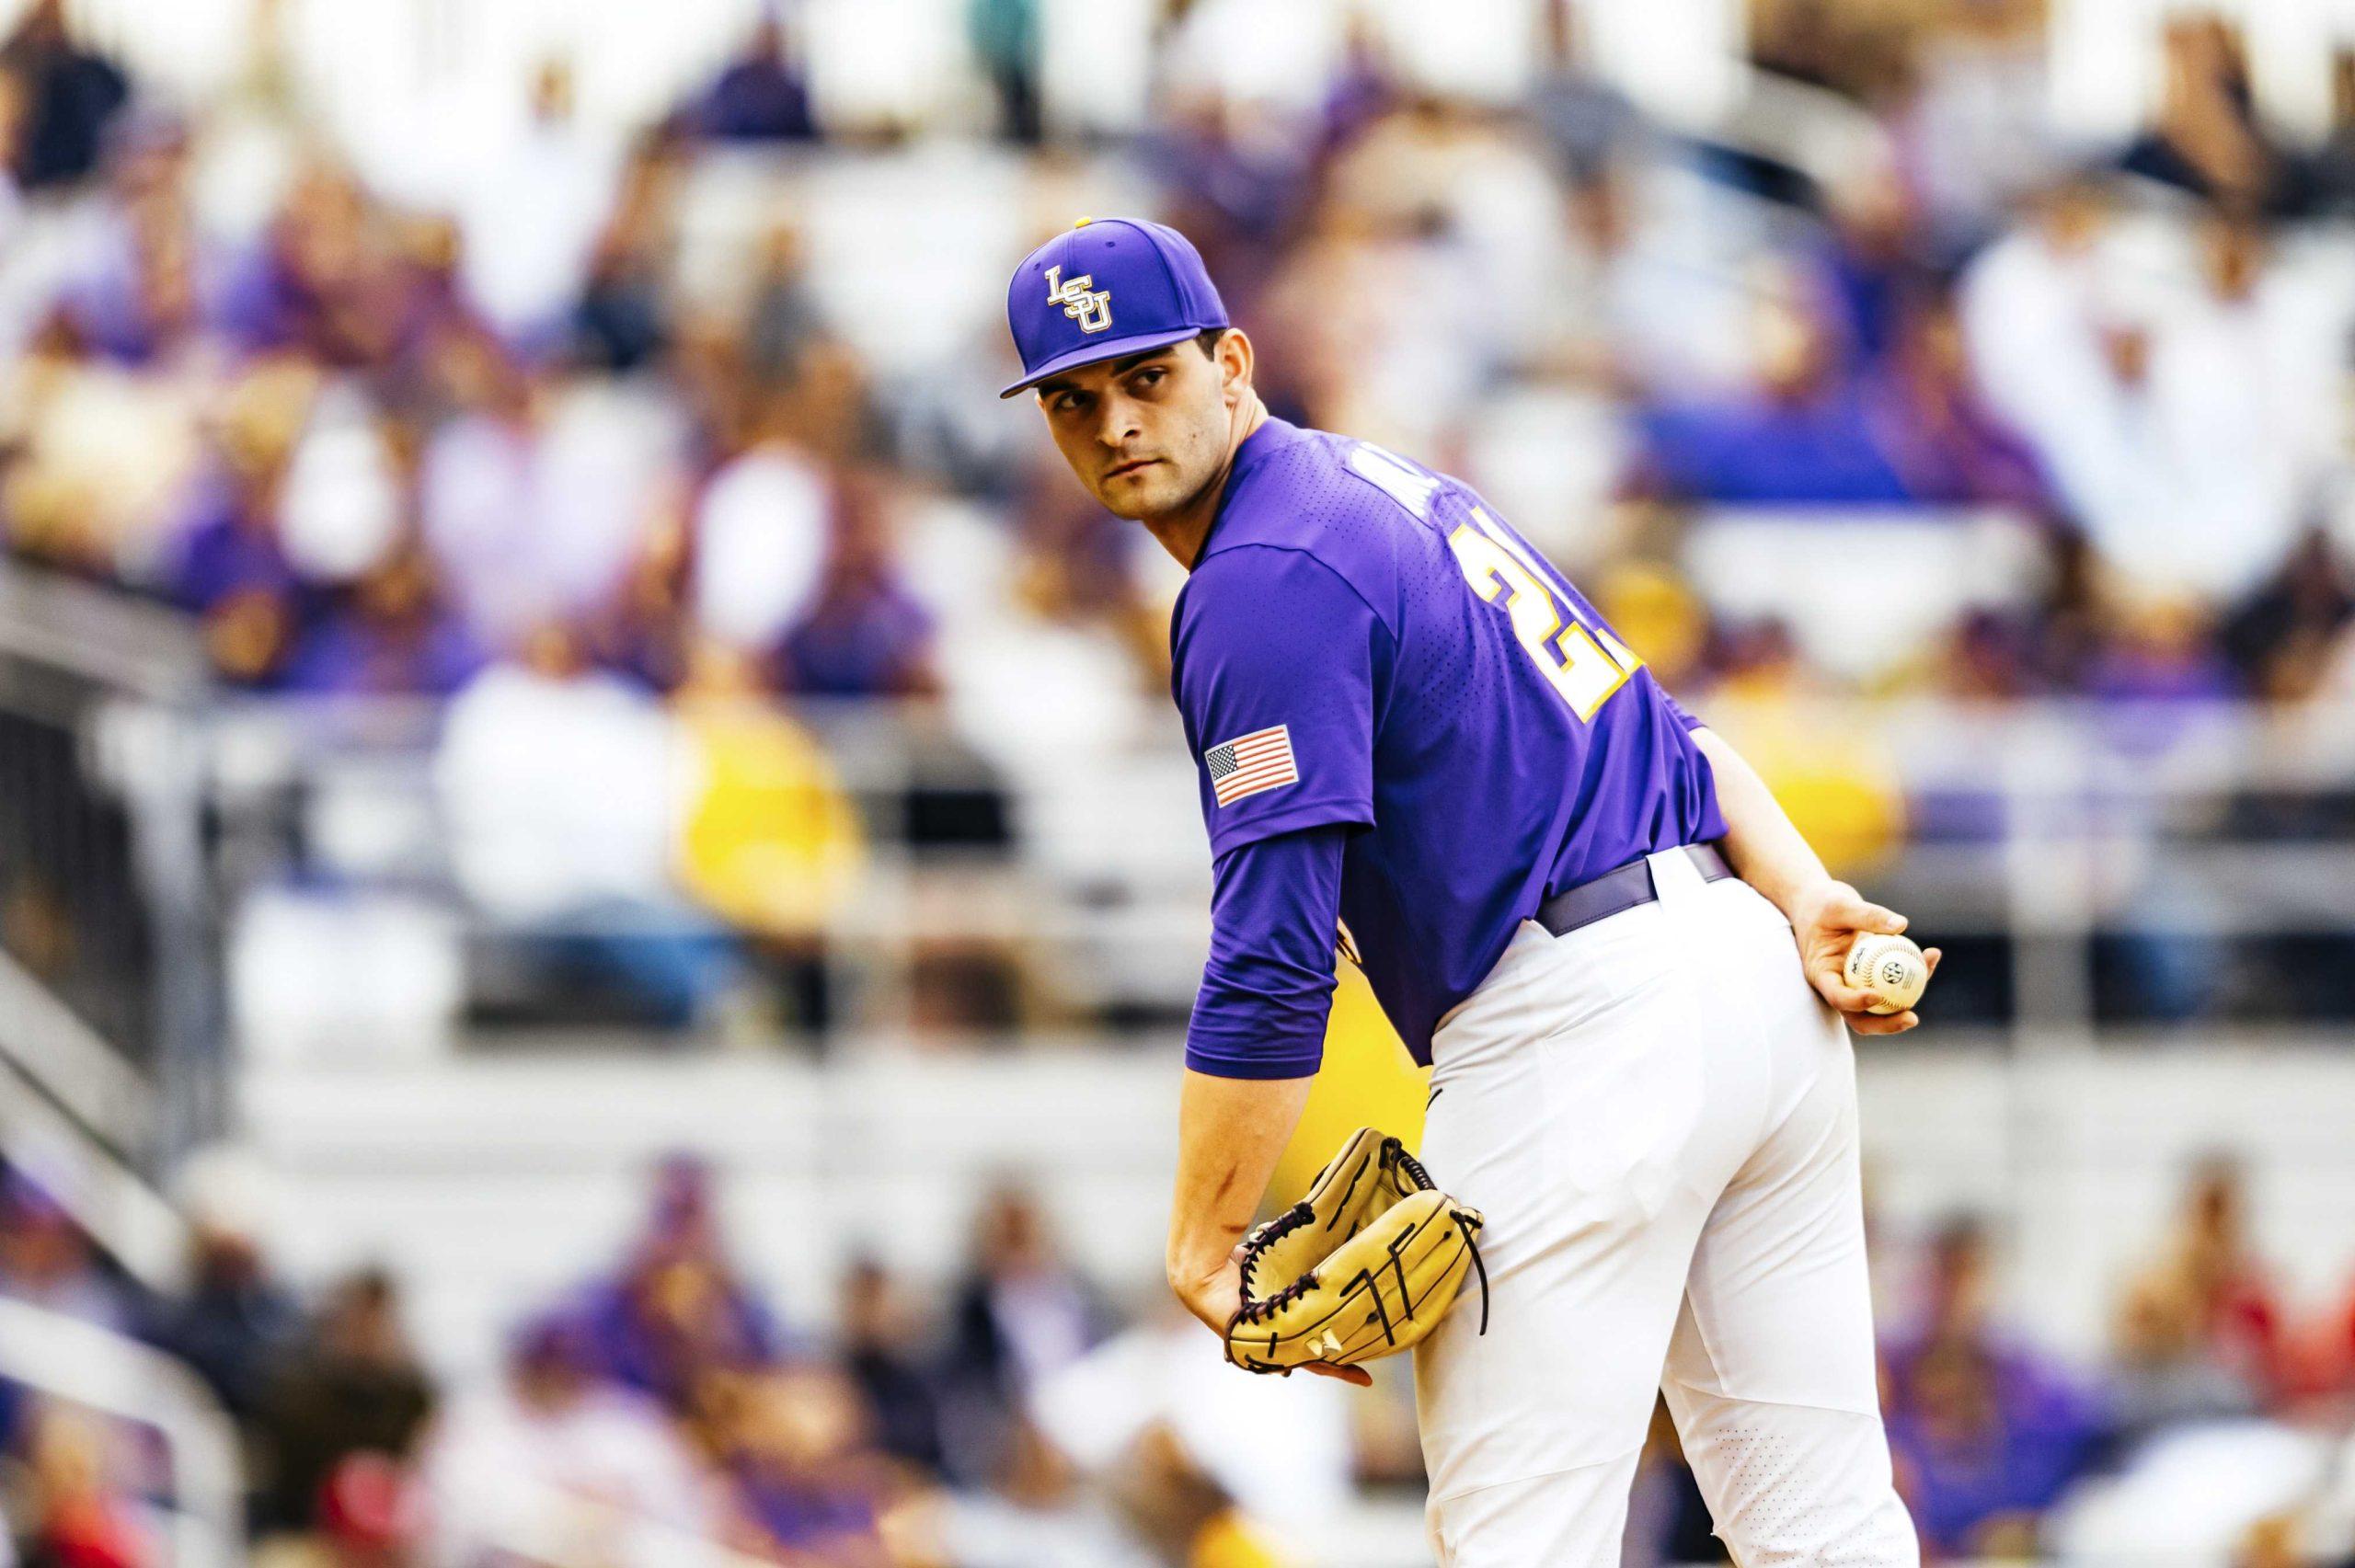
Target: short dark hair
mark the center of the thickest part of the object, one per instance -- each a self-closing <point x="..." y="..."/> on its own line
<point x="1207" y="340"/>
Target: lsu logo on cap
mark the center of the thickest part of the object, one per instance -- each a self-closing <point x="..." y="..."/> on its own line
<point x="1081" y="300"/>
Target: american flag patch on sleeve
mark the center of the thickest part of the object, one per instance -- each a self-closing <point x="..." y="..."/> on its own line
<point x="1249" y="764"/>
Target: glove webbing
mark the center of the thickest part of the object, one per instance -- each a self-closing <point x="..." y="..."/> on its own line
<point x="1256" y="1307"/>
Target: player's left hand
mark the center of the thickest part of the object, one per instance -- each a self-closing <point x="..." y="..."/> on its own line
<point x="1825" y="919"/>
<point x="1216" y="1298"/>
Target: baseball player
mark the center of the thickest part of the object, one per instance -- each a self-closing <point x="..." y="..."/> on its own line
<point x="1576" y="903"/>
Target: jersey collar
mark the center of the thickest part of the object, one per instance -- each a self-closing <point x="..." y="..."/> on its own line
<point x="1273" y="435"/>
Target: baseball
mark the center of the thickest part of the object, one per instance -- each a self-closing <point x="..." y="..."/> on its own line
<point x="1891" y="967"/>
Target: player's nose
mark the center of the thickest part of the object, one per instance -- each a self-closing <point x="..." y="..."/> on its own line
<point x="1116" y="421"/>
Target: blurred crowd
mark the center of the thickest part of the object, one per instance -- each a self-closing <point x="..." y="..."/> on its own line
<point x="597" y="454"/>
<point x="381" y="445"/>
<point x="640" y="448"/>
<point x="667" y="1403"/>
<point x="1015" y="1414"/>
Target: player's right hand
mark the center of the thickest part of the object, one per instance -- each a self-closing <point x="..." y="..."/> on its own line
<point x="1216" y="1298"/>
<point x="1824" y="920"/>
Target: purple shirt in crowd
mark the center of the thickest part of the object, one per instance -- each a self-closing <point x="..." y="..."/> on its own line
<point x="1404" y="717"/>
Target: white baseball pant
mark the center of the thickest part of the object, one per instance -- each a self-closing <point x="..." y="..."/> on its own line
<point x="1657" y="1116"/>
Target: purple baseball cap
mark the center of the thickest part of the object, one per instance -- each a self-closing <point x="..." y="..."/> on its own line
<point x="1103" y="289"/>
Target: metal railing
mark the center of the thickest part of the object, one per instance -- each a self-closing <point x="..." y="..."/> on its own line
<point x="107" y="987"/>
<point x="2055" y="835"/>
<point x="119" y="1377"/>
<point x="2100" y="862"/>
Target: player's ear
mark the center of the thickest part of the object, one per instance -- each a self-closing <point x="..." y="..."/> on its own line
<point x="1233" y="363"/>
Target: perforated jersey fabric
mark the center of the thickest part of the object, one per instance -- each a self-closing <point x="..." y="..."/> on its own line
<point x="1790" y="1483"/>
<point x="1364" y="641"/>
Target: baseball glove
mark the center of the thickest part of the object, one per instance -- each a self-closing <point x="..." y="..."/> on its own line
<point x="1362" y="1267"/>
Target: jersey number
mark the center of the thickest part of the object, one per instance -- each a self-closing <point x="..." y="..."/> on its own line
<point x="1585" y="665"/>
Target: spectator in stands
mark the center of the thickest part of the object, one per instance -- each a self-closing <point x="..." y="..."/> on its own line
<point x="1988" y="1432"/>
<point x="227" y="540"/>
<point x="2032" y="307"/>
<point x="761" y="536"/>
<point x="782" y="325"/>
<point x="678" y="1313"/>
<point x="582" y="879"/>
<point x="1868" y="266"/>
<point x="864" y="633"/>
<point x="2278" y="641"/>
<point x="72" y="94"/>
<point x="1950" y="448"/>
<point x="341" y="506"/>
<point x="2208" y="138"/>
<point x="805" y="1481"/>
<point x="1005" y="36"/>
<point x="2198" y="1334"/>
<point x="2186" y="433"/>
<point x="319" y="285"/>
<point x="532" y="212"/>
<point x="1433" y="215"/>
<point x="534" y="505"/>
<point x="769" y="842"/>
<point x="622" y="321"/>
<point x="439" y="346"/>
<point x="46" y="1260"/>
<point x="759" y="96"/>
<point x="1237" y="178"/>
<point x="390" y="634"/>
<point x="549" y="1460"/>
<point x="2157" y="650"/>
<point x="368" y="1518"/>
<point x="1586" y="121"/>
<point x="234" y="1323"/>
<point x="1975" y="130"/>
<point x="643" y="631"/>
<point x="1810" y="434"/>
<point x="353" y="1387"/>
<point x="230" y="562"/>
<point x="881" y="1351"/>
<point x="1182" y="1514"/>
<point x="1020" y="1311"/>
<point x="80" y="1511"/>
<point x="1035" y="1511"/>
<point x="2239" y="379"/>
<point x="2334" y="161"/>
<point x="145" y="299"/>
<point x="1362" y="88"/>
<point x="100" y="455"/>
<point x="1079" y="568"/>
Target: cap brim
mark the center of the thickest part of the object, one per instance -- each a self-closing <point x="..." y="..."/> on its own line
<point x="1096" y="353"/>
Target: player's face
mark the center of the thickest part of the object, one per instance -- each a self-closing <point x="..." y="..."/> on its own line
<point x="1147" y="434"/>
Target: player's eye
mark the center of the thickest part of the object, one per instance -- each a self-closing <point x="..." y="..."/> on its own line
<point x="1149" y="376"/>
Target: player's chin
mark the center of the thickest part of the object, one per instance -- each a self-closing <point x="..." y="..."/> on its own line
<point x="1140" y="491"/>
<point x="1124" y="501"/>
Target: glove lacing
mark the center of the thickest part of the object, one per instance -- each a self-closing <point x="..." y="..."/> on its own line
<point x="1414" y="1168"/>
<point x="1255" y="1309"/>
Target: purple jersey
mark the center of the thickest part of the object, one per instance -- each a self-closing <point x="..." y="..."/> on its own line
<point x="1364" y="642"/>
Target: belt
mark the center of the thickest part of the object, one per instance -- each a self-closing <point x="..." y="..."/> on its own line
<point x="1616" y="892"/>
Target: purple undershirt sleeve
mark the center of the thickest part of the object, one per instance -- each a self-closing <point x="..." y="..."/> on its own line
<point x="1268" y="984"/>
